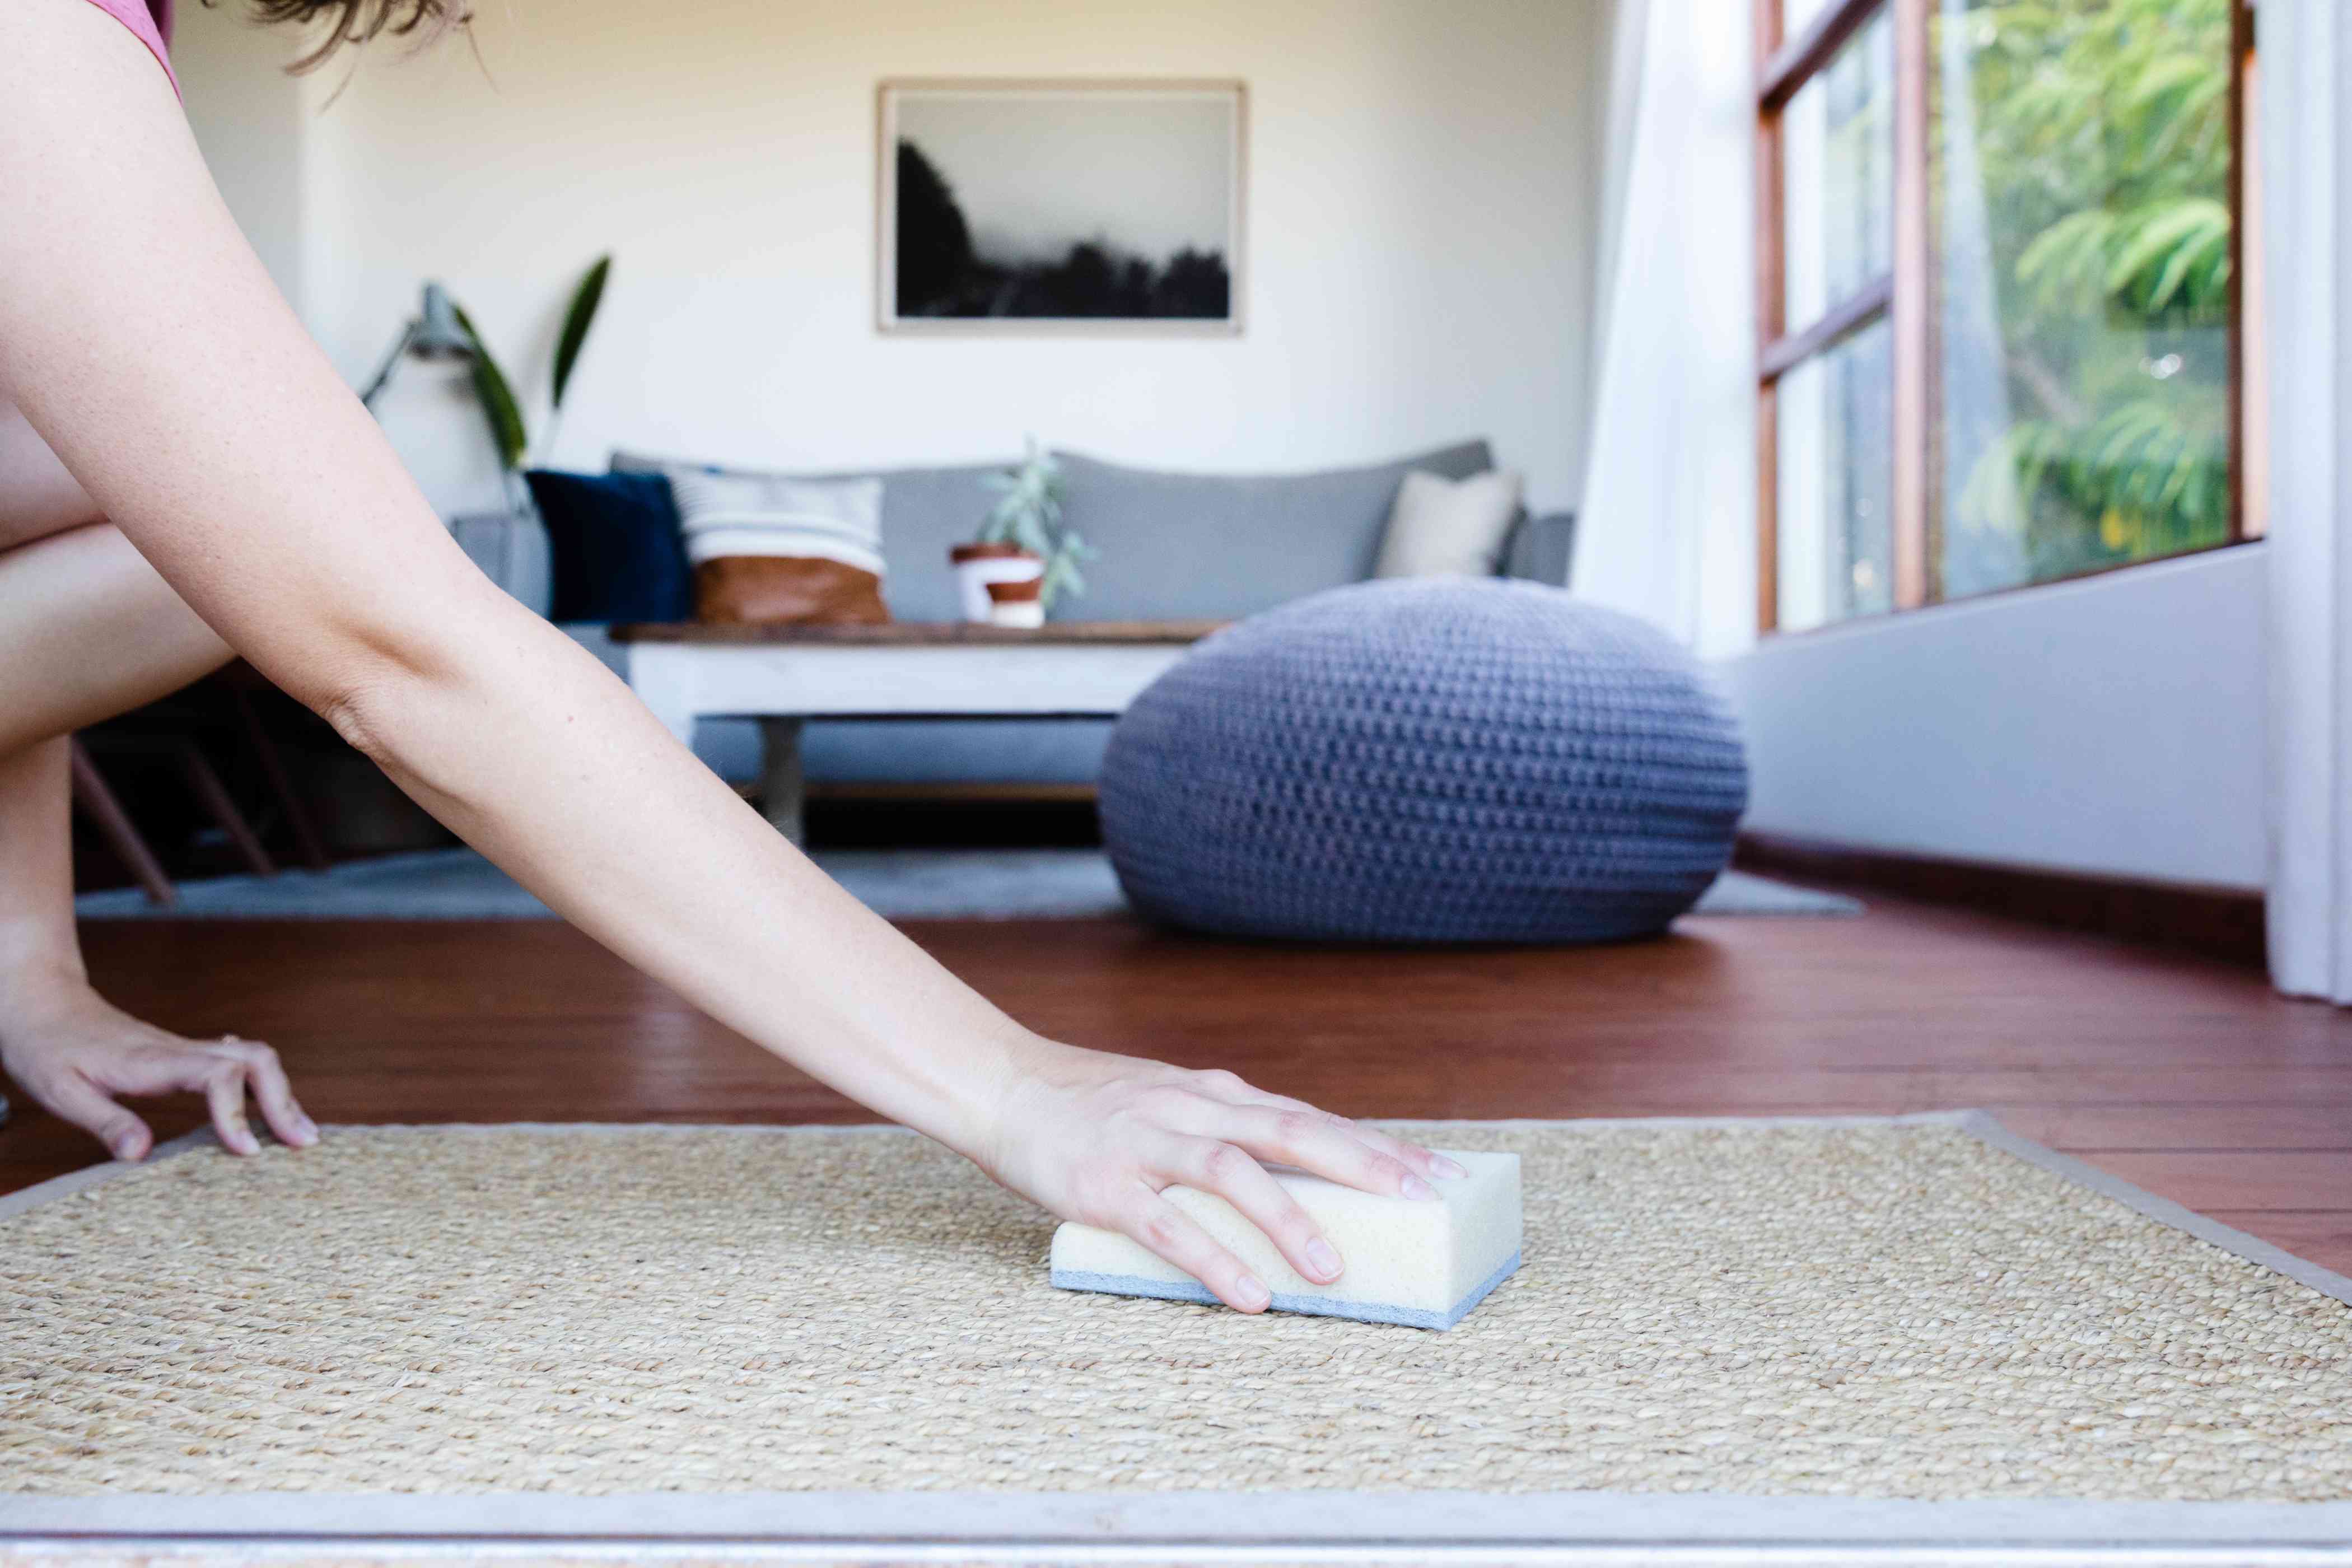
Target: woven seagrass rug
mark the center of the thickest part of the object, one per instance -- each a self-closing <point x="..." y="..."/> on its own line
<point x="1911" y="1330"/>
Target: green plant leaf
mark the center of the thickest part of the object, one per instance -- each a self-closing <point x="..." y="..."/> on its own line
<point x="2194" y="223"/>
<point x="2071" y="251"/>
<point x="1028" y="508"/>
<point x="577" y="320"/>
<point x="507" y="432"/>
<point x="2170" y="74"/>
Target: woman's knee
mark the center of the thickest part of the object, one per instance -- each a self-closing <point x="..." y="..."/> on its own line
<point x="37" y="497"/>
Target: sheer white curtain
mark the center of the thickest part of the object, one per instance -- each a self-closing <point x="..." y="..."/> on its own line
<point x="1667" y="523"/>
<point x="2306" y="135"/>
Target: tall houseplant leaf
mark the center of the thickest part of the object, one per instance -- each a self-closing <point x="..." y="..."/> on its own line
<point x="577" y="320"/>
<point x="497" y="399"/>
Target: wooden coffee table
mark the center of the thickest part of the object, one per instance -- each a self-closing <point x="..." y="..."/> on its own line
<point x="785" y="675"/>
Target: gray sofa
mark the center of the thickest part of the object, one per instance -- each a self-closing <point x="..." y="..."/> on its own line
<point x="1171" y="546"/>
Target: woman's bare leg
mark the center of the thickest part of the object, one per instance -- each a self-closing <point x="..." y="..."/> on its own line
<point x="91" y="631"/>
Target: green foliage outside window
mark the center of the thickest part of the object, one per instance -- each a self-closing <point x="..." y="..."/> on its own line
<point x="2100" y="133"/>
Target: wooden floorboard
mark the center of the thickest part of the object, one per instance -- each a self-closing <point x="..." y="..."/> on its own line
<point x="2233" y="1179"/>
<point x="2323" y="1238"/>
<point x="2187" y="1077"/>
<point x="2277" y="1124"/>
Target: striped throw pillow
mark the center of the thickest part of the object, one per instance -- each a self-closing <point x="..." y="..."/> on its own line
<point x="771" y="549"/>
<point x="767" y="514"/>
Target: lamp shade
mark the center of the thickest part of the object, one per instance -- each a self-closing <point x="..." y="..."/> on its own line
<point x="438" y="335"/>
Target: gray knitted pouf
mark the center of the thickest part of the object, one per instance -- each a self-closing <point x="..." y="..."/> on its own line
<point x="1448" y="760"/>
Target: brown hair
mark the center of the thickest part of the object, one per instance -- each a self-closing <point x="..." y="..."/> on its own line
<point x="358" y="21"/>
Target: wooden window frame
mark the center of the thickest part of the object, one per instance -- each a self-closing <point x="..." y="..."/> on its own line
<point x="1904" y="295"/>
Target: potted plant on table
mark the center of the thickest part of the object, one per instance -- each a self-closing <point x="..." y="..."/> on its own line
<point x="1025" y="557"/>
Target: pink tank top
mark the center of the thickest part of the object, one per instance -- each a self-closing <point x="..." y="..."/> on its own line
<point x="151" y="20"/>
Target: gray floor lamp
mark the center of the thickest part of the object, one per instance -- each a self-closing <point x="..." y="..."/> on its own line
<point x="433" y="334"/>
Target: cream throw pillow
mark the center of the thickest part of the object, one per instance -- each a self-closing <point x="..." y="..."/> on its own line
<point x="1449" y="528"/>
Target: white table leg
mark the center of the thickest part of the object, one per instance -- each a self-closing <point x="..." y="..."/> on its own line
<point x="664" y="676"/>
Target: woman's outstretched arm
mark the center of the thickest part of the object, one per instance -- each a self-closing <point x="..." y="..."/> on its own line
<point x="141" y="338"/>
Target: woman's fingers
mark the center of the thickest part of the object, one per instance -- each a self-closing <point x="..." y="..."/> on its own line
<point x="1342" y="1153"/>
<point x="225" y="1097"/>
<point x="1234" y="1090"/>
<point x="1430" y="1162"/>
<point x="1164" y="1229"/>
<point x="1305" y="1137"/>
<point x="270" y="1088"/>
<point x="1228" y="1171"/>
<point x="74" y="1099"/>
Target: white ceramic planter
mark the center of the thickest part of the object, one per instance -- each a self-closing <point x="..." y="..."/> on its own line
<point x="975" y="573"/>
<point x="1018" y="612"/>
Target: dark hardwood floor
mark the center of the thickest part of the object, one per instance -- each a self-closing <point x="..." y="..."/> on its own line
<point x="2187" y="1077"/>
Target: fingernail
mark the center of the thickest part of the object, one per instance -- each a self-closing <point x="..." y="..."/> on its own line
<point x="1451" y="1170"/>
<point x="1322" y="1259"/>
<point x="126" y="1147"/>
<point x="306" y="1132"/>
<point x="1415" y="1187"/>
<point x="1253" y="1291"/>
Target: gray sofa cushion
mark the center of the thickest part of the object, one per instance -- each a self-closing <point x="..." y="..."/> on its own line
<point x="918" y="751"/>
<point x="951" y="750"/>
<point x="1185" y="545"/>
<point x="1541" y="548"/>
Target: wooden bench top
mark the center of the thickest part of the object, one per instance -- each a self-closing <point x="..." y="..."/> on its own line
<point x="917" y="634"/>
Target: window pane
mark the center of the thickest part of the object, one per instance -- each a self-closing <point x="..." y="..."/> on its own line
<point x="1832" y="415"/>
<point x="2081" y="188"/>
<point x="1837" y="140"/>
<point x="1797" y="15"/>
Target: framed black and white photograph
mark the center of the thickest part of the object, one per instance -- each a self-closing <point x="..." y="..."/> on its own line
<point x="1011" y="206"/>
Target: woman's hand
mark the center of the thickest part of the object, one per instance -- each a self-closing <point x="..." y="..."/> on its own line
<point x="1097" y="1138"/>
<point x="75" y="1057"/>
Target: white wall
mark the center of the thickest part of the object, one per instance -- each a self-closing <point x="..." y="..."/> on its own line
<point x="2111" y="725"/>
<point x="252" y="121"/>
<point x="1422" y="190"/>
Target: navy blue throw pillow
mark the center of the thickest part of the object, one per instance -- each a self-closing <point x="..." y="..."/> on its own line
<point x="614" y="546"/>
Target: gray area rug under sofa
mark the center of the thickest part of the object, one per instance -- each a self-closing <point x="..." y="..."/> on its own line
<point x="898" y="884"/>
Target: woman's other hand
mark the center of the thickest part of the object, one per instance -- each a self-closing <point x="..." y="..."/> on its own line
<point x="76" y="1059"/>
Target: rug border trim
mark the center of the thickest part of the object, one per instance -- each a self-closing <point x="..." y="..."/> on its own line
<point x="29" y="1198"/>
<point x="1434" y="1521"/>
<point x="1409" y="1520"/>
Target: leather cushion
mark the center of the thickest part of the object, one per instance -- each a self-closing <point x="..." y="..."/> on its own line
<point x="801" y="588"/>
